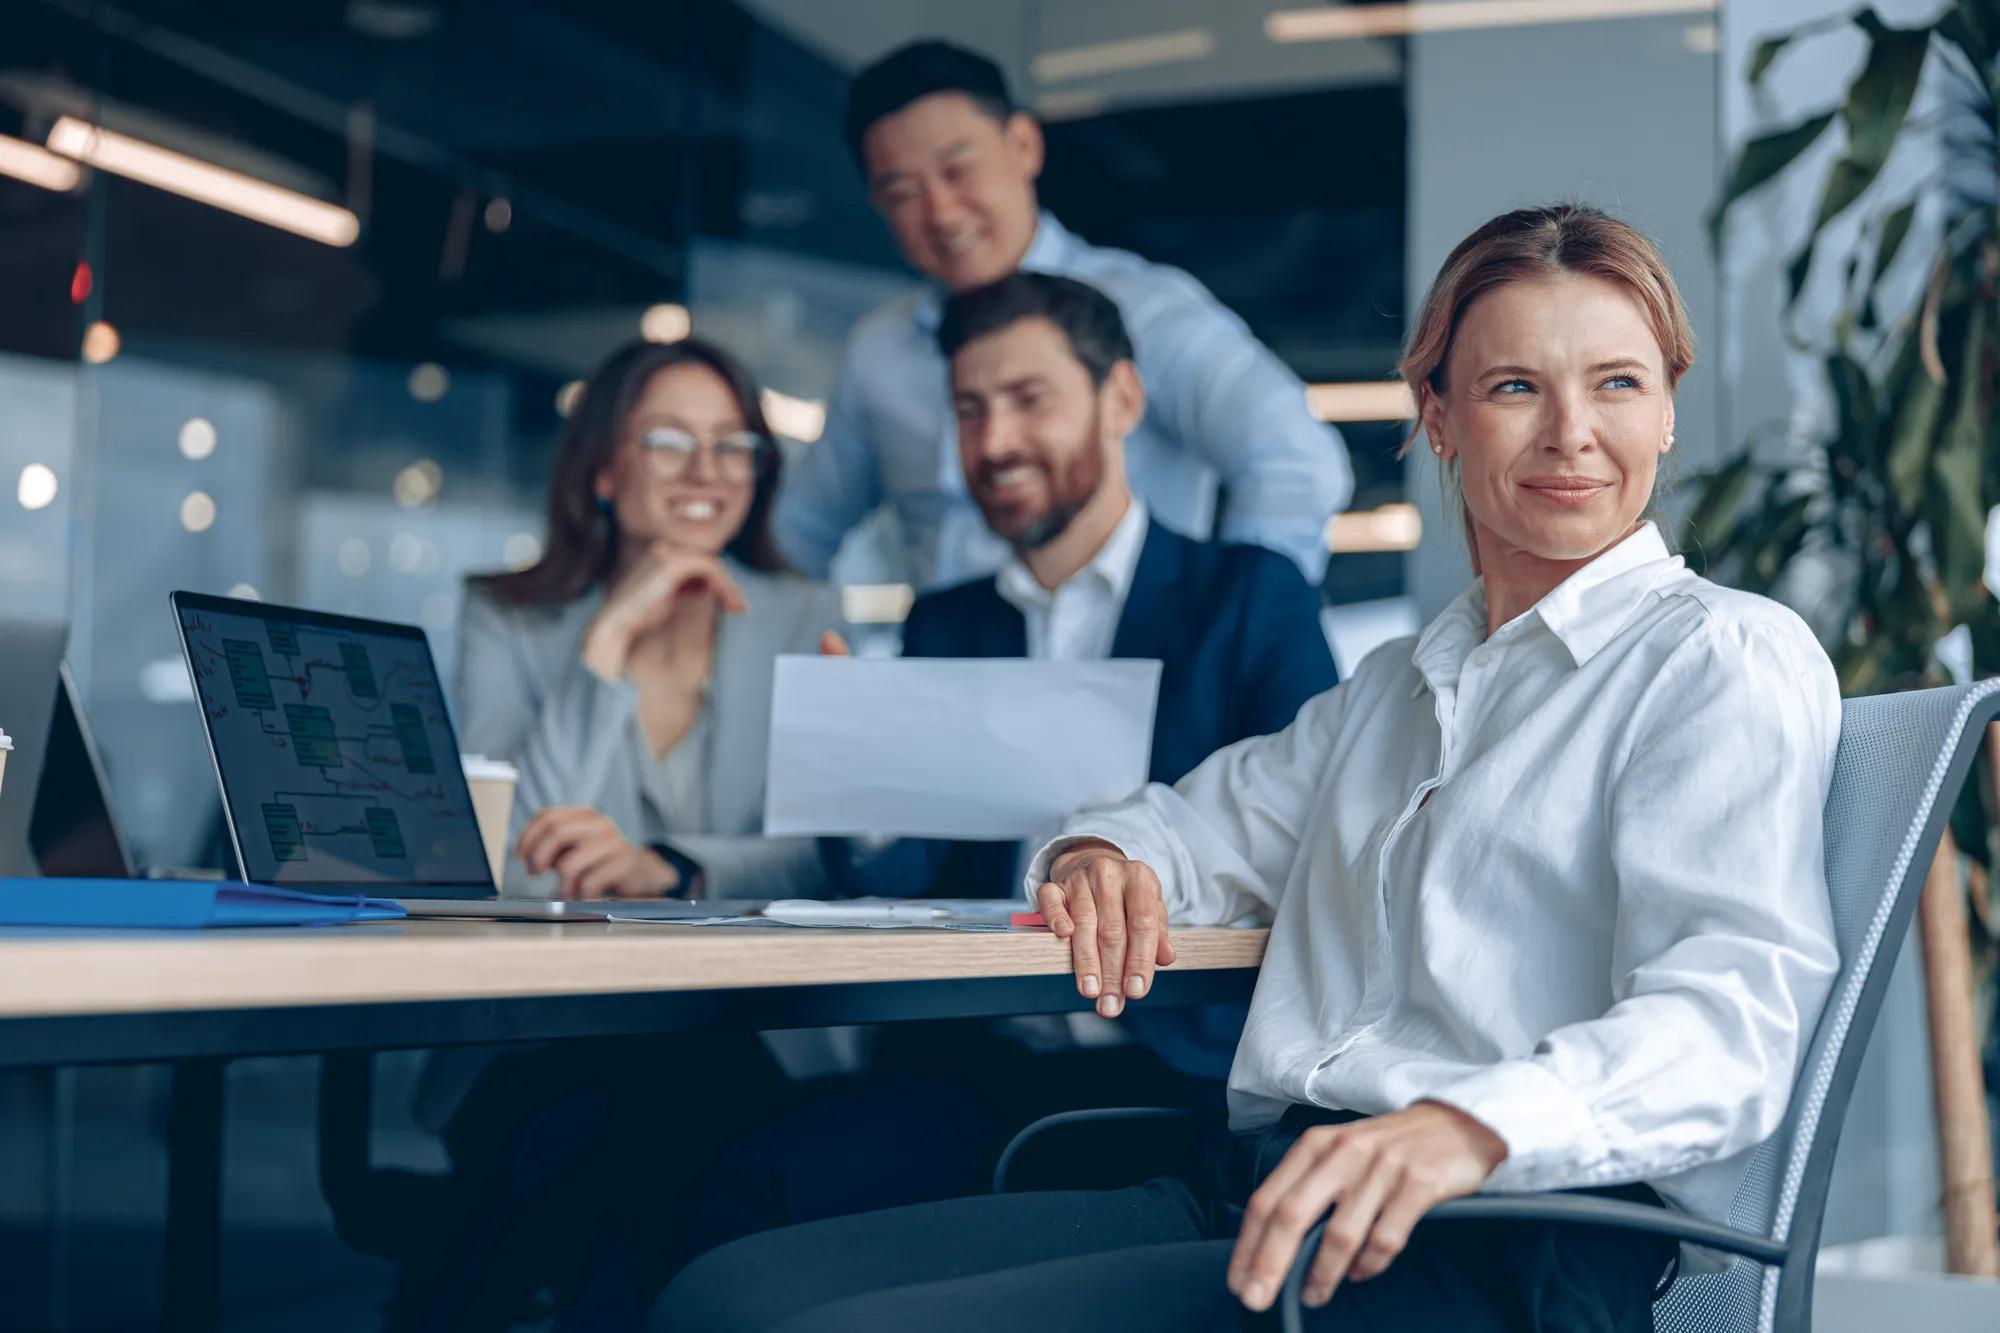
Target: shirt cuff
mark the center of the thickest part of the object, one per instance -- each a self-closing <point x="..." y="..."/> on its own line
<point x="1038" y="866"/>
<point x="1553" y="1141"/>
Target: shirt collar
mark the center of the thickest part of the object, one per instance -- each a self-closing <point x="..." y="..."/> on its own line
<point x="1112" y="567"/>
<point x="1587" y="609"/>
<point x="1048" y="252"/>
<point x="1584" y="612"/>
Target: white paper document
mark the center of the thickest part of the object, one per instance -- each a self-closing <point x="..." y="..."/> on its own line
<point x="953" y="748"/>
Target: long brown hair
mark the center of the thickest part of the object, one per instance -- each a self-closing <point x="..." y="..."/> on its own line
<point x="582" y="544"/>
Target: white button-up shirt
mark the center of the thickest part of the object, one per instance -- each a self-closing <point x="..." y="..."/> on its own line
<point x="1568" y="879"/>
<point x="1219" y="406"/>
<point x="1077" y="620"/>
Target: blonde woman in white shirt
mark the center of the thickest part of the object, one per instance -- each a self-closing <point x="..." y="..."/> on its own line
<point x="1545" y="883"/>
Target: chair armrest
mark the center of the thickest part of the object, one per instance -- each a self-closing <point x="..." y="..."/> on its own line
<point x="1580" y="1209"/>
<point x="1092" y="1116"/>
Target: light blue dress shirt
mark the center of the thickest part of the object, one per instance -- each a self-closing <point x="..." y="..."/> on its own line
<point x="1220" y="406"/>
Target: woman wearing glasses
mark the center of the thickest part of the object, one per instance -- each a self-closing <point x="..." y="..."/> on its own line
<point x="628" y="672"/>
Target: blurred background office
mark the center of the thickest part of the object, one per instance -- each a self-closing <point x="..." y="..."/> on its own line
<point x="293" y="299"/>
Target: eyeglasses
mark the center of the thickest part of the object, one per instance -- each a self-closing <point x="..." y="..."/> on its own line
<point x="734" y="455"/>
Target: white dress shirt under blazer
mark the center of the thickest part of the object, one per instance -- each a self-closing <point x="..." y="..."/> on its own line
<point x="1568" y="878"/>
<point x="1077" y="620"/>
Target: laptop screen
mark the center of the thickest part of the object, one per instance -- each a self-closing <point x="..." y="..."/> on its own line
<point x="337" y="758"/>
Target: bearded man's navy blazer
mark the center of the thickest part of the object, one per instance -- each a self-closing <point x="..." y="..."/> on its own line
<point x="1236" y="630"/>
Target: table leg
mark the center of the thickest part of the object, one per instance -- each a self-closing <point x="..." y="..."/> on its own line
<point x="191" y="1294"/>
<point x="60" y="1174"/>
<point x="36" y="1106"/>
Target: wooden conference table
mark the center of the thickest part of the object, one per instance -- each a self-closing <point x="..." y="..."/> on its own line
<point x="199" y="999"/>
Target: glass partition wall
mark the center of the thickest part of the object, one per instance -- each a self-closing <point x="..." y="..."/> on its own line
<point x="295" y="295"/>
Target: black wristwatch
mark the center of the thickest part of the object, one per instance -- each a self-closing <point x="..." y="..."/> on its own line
<point x="687" y="871"/>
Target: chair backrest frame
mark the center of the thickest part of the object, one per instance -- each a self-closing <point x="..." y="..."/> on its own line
<point x="1785" y="1296"/>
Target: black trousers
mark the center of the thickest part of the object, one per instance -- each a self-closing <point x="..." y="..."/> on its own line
<point x="592" y="1170"/>
<point x="571" y="1169"/>
<point x="924" y="1123"/>
<point x="1150" y="1257"/>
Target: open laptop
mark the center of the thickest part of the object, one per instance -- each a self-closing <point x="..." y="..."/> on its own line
<point x="340" y="769"/>
<point x="74" y="830"/>
<point x="31" y="652"/>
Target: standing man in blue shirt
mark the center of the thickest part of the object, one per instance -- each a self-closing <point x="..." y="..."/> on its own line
<point x="950" y="162"/>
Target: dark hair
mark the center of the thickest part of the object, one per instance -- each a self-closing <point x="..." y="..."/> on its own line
<point x="918" y="70"/>
<point x="583" y="535"/>
<point x="1087" y="317"/>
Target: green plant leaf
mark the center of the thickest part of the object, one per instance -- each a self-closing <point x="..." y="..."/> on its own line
<point x="1856" y="434"/>
<point x="1761" y="159"/>
<point x="1879" y="98"/>
<point x="1877" y="103"/>
<point x="1781" y="532"/>
<point x="1706" y="532"/>
<point x="1974" y="27"/>
<point x="1919" y="402"/>
<point x="1766" y="51"/>
<point x="1889" y="240"/>
<point x="1800" y="269"/>
<point x="1958" y="465"/>
<point x="1969" y="820"/>
<point x="1860" y="668"/>
<point x="1846" y="181"/>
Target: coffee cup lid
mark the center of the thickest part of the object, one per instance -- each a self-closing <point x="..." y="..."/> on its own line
<point x="5" y="744"/>
<point x="489" y="770"/>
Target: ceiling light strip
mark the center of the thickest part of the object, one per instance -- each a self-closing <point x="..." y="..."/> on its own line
<point x="204" y="182"/>
<point x="1160" y="48"/>
<point x="1333" y="24"/>
<point x="37" y="165"/>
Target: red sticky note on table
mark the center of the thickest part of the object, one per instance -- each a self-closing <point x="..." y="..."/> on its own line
<point x="1027" y="919"/>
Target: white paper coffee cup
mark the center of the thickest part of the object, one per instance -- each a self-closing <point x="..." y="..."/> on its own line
<point x="492" y="782"/>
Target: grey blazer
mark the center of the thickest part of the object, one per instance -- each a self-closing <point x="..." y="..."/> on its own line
<point x="525" y="696"/>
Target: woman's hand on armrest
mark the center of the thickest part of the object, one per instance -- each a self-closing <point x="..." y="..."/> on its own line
<point x="1111" y="912"/>
<point x="1379" y="1175"/>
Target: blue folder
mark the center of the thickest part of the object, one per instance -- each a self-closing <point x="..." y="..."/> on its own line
<point x="180" y="904"/>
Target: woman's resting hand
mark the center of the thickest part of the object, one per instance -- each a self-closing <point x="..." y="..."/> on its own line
<point x="1110" y="911"/>
<point x="1378" y="1175"/>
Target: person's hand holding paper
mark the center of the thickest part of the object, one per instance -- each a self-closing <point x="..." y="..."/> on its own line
<point x="945" y="748"/>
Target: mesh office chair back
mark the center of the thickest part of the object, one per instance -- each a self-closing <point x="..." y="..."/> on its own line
<point x="1902" y="760"/>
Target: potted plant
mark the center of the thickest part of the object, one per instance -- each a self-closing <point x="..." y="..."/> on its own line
<point x="1885" y="516"/>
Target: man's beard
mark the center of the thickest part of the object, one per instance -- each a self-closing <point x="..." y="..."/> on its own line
<point x="1071" y="490"/>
